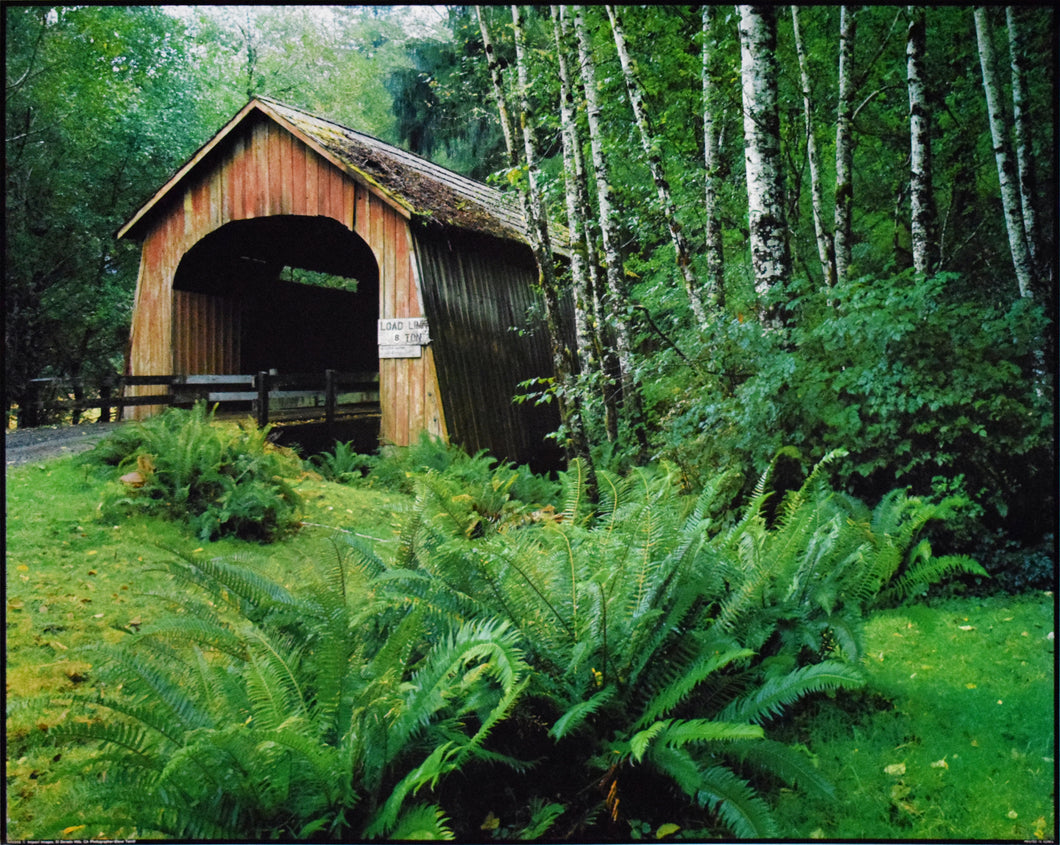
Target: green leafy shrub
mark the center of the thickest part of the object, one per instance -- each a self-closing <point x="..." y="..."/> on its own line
<point x="256" y="713"/>
<point x="919" y="381"/>
<point x="342" y="464"/>
<point x="400" y="467"/>
<point x="662" y="642"/>
<point x="224" y="478"/>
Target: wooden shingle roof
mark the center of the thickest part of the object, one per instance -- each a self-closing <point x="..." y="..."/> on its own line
<point x="414" y="186"/>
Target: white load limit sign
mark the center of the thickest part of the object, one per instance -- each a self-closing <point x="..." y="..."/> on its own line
<point x="403" y="337"/>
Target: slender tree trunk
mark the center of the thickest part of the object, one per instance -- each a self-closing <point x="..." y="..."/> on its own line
<point x="537" y="233"/>
<point x="1006" y="174"/>
<point x="498" y="91"/>
<point x="923" y="225"/>
<point x="590" y="346"/>
<point x="825" y="247"/>
<point x="844" y="153"/>
<point x="770" y="257"/>
<point x="655" y="165"/>
<point x="1021" y="124"/>
<point x="715" y="250"/>
<point x="617" y="294"/>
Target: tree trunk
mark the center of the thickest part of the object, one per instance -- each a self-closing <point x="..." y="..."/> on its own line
<point x="714" y="245"/>
<point x="921" y="188"/>
<point x="617" y="294"/>
<point x="590" y="346"/>
<point x="825" y="247"/>
<point x="1021" y="124"/>
<point x="844" y="153"/>
<point x="538" y="236"/>
<point x="770" y="258"/>
<point x="498" y="91"/>
<point x="655" y="165"/>
<point x="1017" y="236"/>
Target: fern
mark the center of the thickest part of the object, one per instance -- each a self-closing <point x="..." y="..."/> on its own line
<point x="928" y="570"/>
<point x="422" y="821"/>
<point x="739" y="806"/>
<point x="677" y="733"/>
<point x="775" y="693"/>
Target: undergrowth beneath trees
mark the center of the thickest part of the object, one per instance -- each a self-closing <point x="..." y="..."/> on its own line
<point x="454" y="647"/>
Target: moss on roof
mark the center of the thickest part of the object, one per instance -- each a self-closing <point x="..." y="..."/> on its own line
<point x="427" y="190"/>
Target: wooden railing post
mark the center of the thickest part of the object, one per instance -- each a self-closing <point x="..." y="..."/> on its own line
<point x="330" y="391"/>
<point x="263" y="399"/>
<point x="119" y="405"/>
<point x="104" y="400"/>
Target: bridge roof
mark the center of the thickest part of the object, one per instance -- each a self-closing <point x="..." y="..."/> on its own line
<point x="415" y="187"/>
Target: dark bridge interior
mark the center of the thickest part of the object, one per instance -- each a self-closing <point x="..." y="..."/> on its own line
<point x="287" y="325"/>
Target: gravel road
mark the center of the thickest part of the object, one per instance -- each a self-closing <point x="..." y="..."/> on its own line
<point x="27" y="445"/>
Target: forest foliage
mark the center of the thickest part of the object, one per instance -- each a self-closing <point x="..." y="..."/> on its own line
<point x="569" y="666"/>
<point x="940" y="381"/>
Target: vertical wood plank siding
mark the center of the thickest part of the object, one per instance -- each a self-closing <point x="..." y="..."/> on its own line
<point x="477" y="293"/>
<point x="260" y="170"/>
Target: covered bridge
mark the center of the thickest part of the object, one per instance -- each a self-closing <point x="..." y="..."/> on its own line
<point x="441" y="290"/>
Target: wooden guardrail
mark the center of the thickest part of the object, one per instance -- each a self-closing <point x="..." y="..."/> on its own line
<point x="268" y="396"/>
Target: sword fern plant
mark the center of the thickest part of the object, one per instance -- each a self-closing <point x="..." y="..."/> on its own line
<point x="662" y="641"/>
<point x="255" y="712"/>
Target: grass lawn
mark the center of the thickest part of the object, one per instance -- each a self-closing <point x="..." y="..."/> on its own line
<point x="953" y="738"/>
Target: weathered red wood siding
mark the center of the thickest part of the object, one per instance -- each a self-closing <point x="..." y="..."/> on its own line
<point x="260" y="170"/>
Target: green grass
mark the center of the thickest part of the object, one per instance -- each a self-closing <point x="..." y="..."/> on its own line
<point x="958" y="738"/>
<point x="73" y="579"/>
<point x="953" y="738"/>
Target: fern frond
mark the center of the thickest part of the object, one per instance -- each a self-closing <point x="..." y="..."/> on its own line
<point x="542" y="817"/>
<point x="776" y="693"/>
<point x="677" y="733"/>
<point x="272" y="683"/>
<point x="929" y="570"/>
<point x="168" y="690"/>
<point x="574" y="482"/>
<point x="718" y="789"/>
<point x="737" y="803"/>
<point x="420" y="822"/>
<point x="437" y="763"/>
<point x="575" y="716"/>
<point x="130" y="737"/>
<point x="792" y="765"/>
<point x="674" y="693"/>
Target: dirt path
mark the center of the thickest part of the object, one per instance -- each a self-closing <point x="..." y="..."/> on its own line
<point x="40" y="444"/>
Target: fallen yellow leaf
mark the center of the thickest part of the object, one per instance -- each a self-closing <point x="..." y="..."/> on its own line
<point x="666" y="830"/>
<point x="940" y="764"/>
<point x="895" y="769"/>
<point x="68" y="830"/>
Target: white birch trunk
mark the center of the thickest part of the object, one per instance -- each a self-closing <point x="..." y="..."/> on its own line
<point x="498" y="91"/>
<point x="1021" y="124"/>
<point x="922" y="225"/>
<point x="825" y="248"/>
<point x="714" y="245"/>
<point x="617" y="294"/>
<point x="587" y="312"/>
<point x="655" y="165"/>
<point x="1017" y="236"/>
<point x="537" y="232"/>
<point x="844" y="184"/>
<point x="770" y="258"/>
